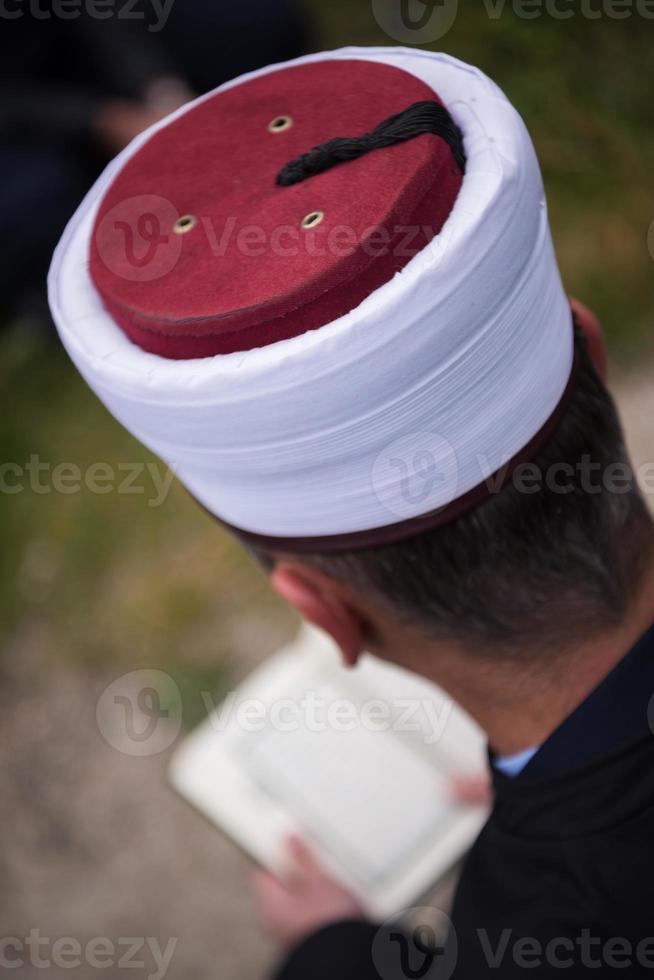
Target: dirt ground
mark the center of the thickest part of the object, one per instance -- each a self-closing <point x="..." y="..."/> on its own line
<point x="95" y="844"/>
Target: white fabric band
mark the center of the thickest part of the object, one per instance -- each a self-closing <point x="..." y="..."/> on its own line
<point x="401" y="406"/>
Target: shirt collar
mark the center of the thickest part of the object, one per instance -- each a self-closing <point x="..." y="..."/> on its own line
<point x="512" y="765"/>
<point x="619" y="708"/>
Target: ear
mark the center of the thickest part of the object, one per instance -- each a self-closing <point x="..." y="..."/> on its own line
<point x="592" y="331"/>
<point x="319" y="600"/>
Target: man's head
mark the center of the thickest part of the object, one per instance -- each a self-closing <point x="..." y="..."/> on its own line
<point x="255" y="312"/>
<point x="547" y="561"/>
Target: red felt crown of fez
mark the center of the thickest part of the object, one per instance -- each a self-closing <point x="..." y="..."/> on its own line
<point x="296" y="349"/>
<point x="257" y="262"/>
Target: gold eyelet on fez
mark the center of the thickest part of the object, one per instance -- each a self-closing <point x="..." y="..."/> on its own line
<point x="279" y="124"/>
<point x="184" y="224"/>
<point x="312" y="219"/>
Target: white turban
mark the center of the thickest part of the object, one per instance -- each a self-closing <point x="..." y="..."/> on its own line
<point x="398" y="408"/>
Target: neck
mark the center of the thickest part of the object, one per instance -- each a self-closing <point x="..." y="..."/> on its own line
<point x="520" y="706"/>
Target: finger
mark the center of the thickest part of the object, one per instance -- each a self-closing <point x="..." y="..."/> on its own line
<point x="302" y="856"/>
<point x="471" y="789"/>
<point x="268" y="889"/>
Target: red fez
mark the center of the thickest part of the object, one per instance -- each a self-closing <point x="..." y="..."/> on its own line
<point x="197" y="249"/>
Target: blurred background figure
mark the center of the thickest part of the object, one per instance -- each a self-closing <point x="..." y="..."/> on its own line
<point x="75" y="91"/>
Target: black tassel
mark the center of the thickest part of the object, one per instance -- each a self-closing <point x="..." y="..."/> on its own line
<point x="419" y="118"/>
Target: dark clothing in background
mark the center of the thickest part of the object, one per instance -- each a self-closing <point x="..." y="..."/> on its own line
<point x="55" y="74"/>
<point x="211" y="41"/>
<point x="561" y="879"/>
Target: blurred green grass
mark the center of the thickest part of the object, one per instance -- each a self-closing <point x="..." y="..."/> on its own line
<point x="114" y="581"/>
<point x="109" y="578"/>
<point x="584" y="89"/>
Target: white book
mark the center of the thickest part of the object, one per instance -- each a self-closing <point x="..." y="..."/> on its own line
<point x="357" y="762"/>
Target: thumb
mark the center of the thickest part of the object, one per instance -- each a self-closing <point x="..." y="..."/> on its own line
<point x="302" y="856"/>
